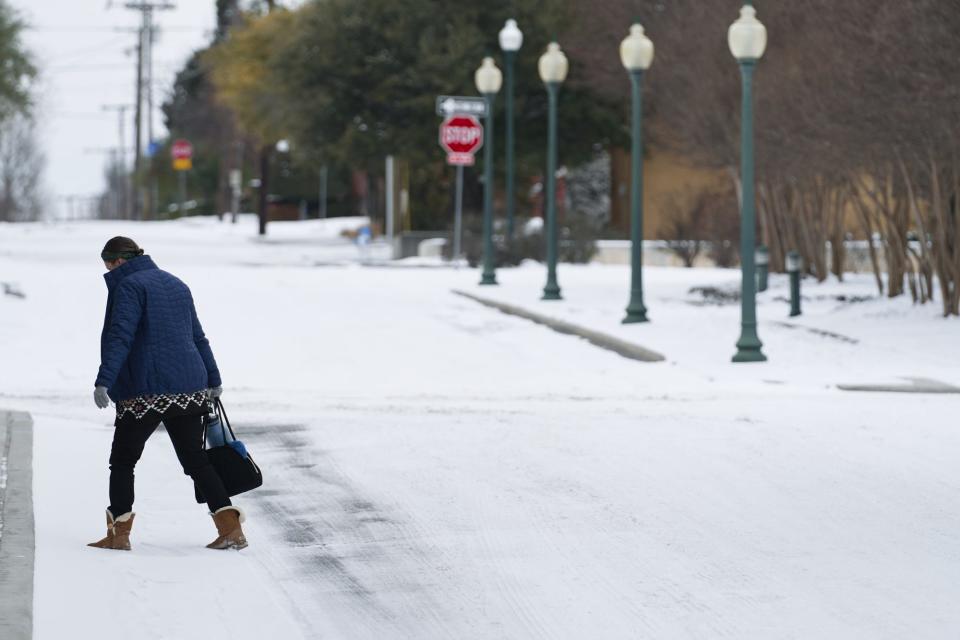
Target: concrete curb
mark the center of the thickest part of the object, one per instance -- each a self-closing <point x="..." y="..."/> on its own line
<point x="602" y="340"/>
<point x="16" y="519"/>
<point x="917" y="385"/>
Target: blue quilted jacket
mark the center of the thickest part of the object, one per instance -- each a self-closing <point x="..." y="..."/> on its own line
<point x="152" y="341"/>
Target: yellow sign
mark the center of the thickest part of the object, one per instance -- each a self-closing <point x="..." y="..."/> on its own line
<point x="182" y="164"/>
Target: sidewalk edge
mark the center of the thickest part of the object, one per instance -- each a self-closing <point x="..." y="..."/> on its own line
<point x="596" y="338"/>
<point x="17" y="539"/>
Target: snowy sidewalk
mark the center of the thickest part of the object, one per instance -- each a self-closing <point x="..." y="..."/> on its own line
<point x="16" y="526"/>
<point x="169" y="587"/>
<point x="848" y="335"/>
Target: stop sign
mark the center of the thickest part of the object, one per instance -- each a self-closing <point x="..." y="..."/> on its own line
<point x="461" y="135"/>
<point x="181" y="150"/>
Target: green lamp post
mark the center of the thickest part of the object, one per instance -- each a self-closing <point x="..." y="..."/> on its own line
<point x="794" y="267"/>
<point x="747" y="38"/>
<point x="511" y="39"/>
<point x="763" y="267"/>
<point x="553" y="68"/>
<point x="488" y="80"/>
<point x="636" y="53"/>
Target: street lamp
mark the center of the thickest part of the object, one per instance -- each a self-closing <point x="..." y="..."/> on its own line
<point x="794" y="267"/>
<point x="636" y="53"/>
<point x="488" y="80"/>
<point x="747" y="38"/>
<point x="763" y="267"/>
<point x="553" y="68"/>
<point x="511" y="39"/>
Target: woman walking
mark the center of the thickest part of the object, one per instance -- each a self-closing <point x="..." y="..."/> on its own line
<point x="156" y="365"/>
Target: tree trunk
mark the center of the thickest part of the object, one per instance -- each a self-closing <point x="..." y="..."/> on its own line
<point x="892" y="226"/>
<point x="954" y="236"/>
<point x="921" y="262"/>
<point x="837" y="232"/>
<point x="941" y="220"/>
<point x="866" y="222"/>
<point x="774" y="238"/>
<point x="264" y="208"/>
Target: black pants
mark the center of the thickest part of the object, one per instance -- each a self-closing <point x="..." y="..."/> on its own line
<point x="186" y="433"/>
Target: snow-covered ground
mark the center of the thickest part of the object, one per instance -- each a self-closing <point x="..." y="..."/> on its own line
<point x="847" y="333"/>
<point x="436" y="469"/>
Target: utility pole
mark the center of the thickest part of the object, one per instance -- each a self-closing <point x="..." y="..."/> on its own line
<point x="115" y="195"/>
<point x="265" y="152"/>
<point x="236" y="180"/>
<point x="121" y="110"/>
<point x="144" y="59"/>
<point x="149" y="32"/>
<point x="138" y="136"/>
<point x="391" y="201"/>
<point x="148" y="70"/>
<point x="322" y="210"/>
<point x="231" y="144"/>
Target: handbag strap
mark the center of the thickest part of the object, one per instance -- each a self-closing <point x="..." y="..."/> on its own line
<point x="218" y="407"/>
<point x="206" y="423"/>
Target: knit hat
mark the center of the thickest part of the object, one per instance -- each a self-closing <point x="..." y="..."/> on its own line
<point x="120" y="247"/>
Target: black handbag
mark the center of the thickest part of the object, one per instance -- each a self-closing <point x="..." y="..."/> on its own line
<point x="238" y="473"/>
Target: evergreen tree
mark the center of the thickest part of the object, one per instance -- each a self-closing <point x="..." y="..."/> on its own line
<point x="16" y="67"/>
<point x="359" y="80"/>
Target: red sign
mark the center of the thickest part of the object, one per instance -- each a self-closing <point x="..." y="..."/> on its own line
<point x="182" y="150"/>
<point x="461" y="137"/>
<point x="463" y="159"/>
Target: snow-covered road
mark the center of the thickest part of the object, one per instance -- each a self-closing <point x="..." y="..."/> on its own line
<point x="435" y="469"/>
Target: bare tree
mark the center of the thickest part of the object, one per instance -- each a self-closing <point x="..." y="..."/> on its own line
<point x="21" y="171"/>
<point x="857" y="112"/>
<point x="685" y="224"/>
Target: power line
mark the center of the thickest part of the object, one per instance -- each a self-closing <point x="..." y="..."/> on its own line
<point x="145" y="64"/>
<point x="103" y="46"/>
<point x="113" y="152"/>
<point x="93" y="66"/>
<point x="75" y="114"/>
<point x="158" y="84"/>
<point x="145" y="81"/>
<point x="108" y="29"/>
<point x="96" y="66"/>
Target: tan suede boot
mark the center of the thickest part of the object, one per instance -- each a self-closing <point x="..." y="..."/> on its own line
<point x="118" y="533"/>
<point x="230" y="536"/>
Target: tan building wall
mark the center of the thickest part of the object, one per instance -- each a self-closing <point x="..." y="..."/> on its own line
<point x="668" y="180"/>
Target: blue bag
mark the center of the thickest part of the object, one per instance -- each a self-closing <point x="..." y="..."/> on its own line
<point x="232" y="462"/>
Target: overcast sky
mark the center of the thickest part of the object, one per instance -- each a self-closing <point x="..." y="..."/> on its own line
<point x="87" y="60"/>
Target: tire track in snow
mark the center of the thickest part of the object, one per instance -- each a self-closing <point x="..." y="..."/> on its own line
<point x="366" y="565"/>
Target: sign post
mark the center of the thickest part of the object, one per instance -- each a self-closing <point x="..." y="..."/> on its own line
<point x="391" y="200"/>
<point x="458" y="217"/>
<point x="182" y="153"/>
<point x="323" y="191"/>
<point x="461" y="136"/>
<point x="455" y="105"/>
<point x="236" y="184"/>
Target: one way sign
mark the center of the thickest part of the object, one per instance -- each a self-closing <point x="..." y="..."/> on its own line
<point x="456" y="105"/>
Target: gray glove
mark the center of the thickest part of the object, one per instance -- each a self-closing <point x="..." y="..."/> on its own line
<point x="214" y="392"/>
<point x="101" y="398"/>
